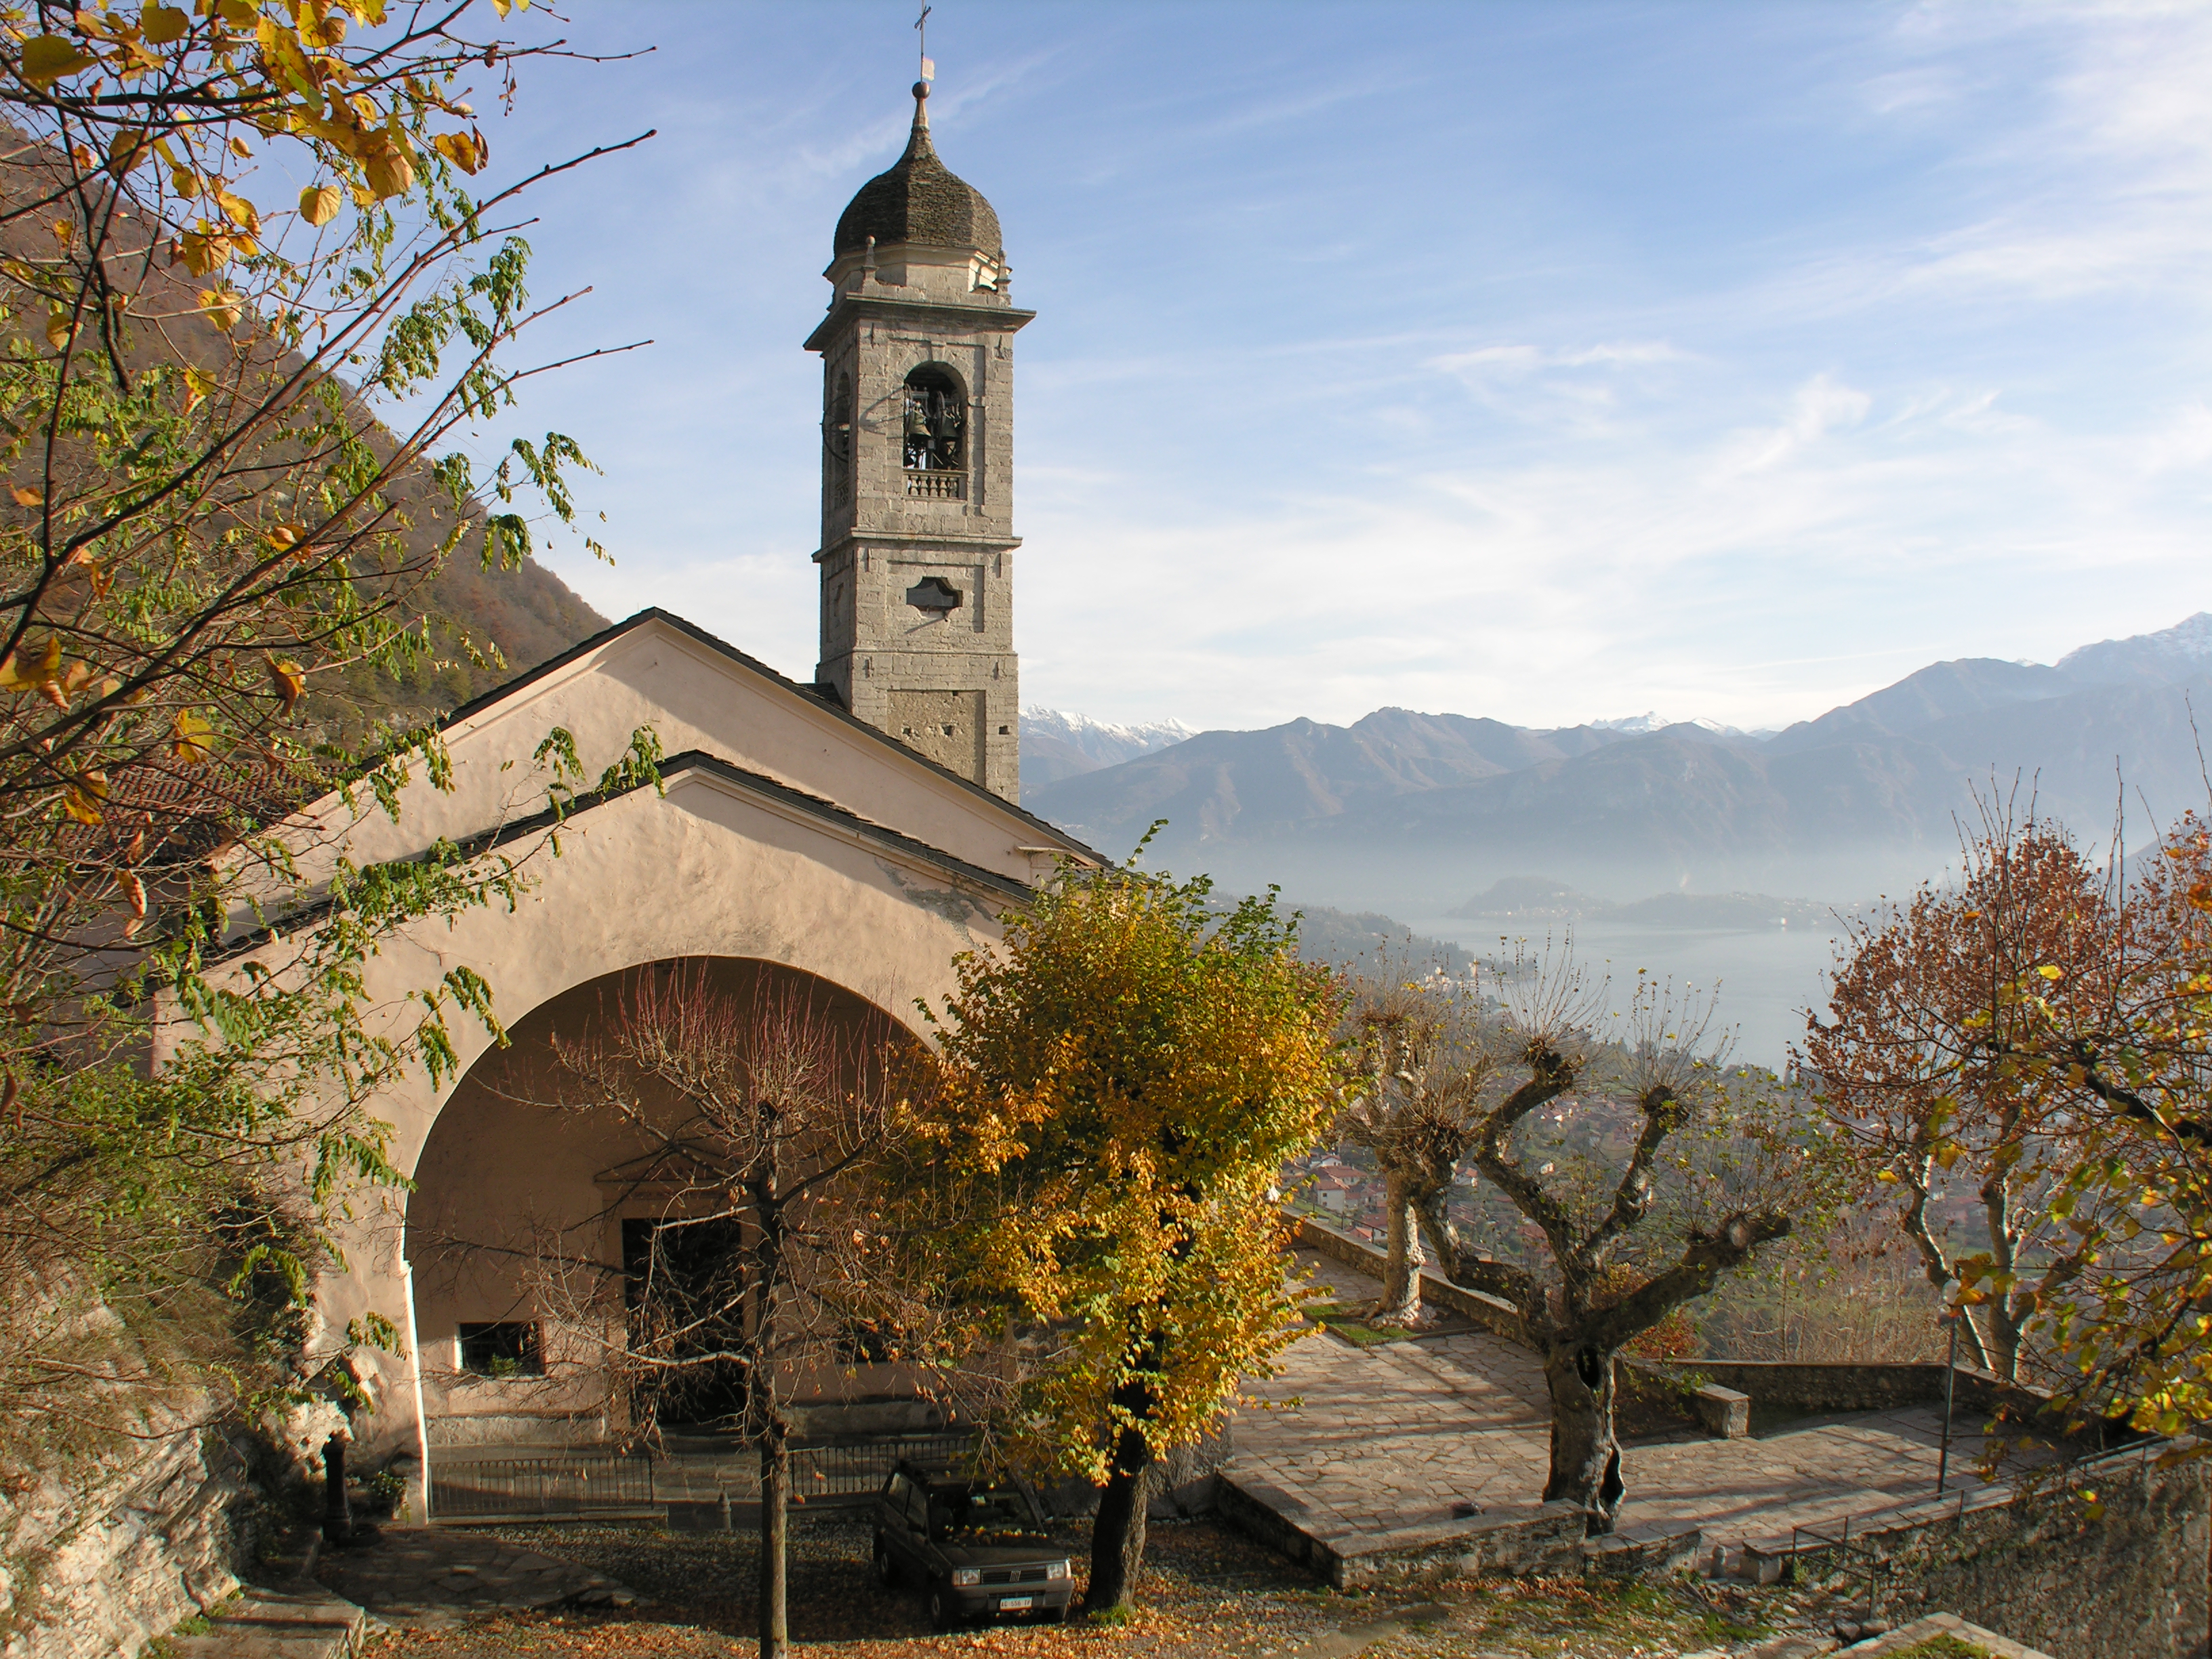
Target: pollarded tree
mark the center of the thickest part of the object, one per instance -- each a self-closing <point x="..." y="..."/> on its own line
<point x="1120" y="1087"/>
<point x="1420" y="1062"/>
<point x="1612" y="1122"/>
<point x="1922" y="1065"/>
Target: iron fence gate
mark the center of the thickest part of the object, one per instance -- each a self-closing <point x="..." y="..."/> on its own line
<point x="584" y="1483"/>
<point x="858" y="1469"/>
<point x="567" y="1483"/>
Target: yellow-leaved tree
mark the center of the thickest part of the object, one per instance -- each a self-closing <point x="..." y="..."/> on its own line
<point x="1092" y="1173"/>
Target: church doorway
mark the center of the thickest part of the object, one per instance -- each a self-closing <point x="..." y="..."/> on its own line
<point x="685" y="1286"/>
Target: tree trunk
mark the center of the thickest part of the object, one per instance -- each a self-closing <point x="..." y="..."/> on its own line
<point x="1400" y="1303"/>
<point x="775" y="1534"/>
<point x="1936" y="1261"/>
<point x="2004" y="1329"/>
<point x="1117" y="1537"/>
<point x="1585" y="1457"/>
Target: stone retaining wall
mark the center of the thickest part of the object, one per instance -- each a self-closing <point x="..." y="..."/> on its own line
<point x="1547" y="1540"/>
<point x="1839" y="1386"/>
<point x="2028" y="1560"/>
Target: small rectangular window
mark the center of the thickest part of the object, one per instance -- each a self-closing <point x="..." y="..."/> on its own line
<point x="502" y="1348"/>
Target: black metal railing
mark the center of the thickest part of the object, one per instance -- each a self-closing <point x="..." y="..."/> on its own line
<point x="579" y="1483"/>
<point x="858" y="1468"/>
<point x="561" y="1483"/>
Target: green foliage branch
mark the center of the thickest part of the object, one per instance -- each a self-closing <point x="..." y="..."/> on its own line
<point x="252" y="303"/>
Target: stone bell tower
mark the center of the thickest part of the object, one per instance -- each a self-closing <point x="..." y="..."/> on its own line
<point x="918" y="540"/>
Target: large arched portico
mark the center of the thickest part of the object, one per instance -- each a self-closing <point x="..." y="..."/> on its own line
<point x="533" y="1203"/>
<point x="718" y="863"/>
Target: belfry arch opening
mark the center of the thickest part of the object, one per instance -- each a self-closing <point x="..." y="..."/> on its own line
<point x="539" y="1215"/>
<point x="935" y="422"/>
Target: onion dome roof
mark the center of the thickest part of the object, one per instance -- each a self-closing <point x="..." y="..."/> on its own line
<point x="918" y="200"/>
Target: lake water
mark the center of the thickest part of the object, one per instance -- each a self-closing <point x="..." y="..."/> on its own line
<point x="1766" y="978"/>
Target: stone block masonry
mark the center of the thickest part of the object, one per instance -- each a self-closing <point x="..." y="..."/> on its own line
<point x="2028" y="1560"/>
<point x="1546" y="1540"/>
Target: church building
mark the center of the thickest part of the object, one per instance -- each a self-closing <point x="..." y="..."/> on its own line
<point x="840" y="841"/>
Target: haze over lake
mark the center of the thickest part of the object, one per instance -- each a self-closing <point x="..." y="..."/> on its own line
<point x="1766" y="977"/>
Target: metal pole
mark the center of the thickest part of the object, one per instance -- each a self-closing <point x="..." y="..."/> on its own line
<point x="1950" y="1385"/>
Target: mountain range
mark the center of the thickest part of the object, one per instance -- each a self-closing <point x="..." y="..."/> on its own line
<point x="1057" y="746"/>
<point x="1416" y="810"/>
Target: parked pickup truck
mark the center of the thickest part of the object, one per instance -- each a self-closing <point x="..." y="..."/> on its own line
<point x="979" y="1550"/>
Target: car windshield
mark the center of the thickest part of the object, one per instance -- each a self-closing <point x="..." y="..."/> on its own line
<point x="990" y="1512"/>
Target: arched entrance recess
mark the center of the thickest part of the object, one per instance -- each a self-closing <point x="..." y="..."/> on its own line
<point x="529" y="1205"/>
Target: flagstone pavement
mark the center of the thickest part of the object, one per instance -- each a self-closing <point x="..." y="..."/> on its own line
<point x="1395" y="1435"/>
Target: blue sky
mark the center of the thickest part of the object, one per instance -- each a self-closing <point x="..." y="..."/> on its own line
<point x="1548" y="361"/>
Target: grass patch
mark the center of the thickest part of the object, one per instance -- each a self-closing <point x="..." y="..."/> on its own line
<point x="1942" y="1645"/>
<point x="1344" y="1323"/>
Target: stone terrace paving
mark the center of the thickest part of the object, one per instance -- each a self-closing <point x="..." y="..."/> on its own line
<point x="1393" y="1436"/>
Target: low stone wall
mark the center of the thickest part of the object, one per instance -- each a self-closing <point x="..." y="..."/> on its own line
<point x="1499" y="1318"/>
<point x="1547" y="1540"/>
<point x="1837" y="1386"/>
<point x="2027" y="1560"/>
<point x="96" y="1563"/>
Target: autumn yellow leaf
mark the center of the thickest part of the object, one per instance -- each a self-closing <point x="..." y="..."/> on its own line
<point x="191" y="739"/>
<point x="162" y="25"/>
<point x="64" y="232"/>
<point x="32" y="666"/>
<point x="462" y="151"/>
<point x="199" y="385"/>
<point x="100" y="576"/>
<point x="240" y="211"/>
<point x="134" y="892"/>
<point x="126" y="149"/>
<point x="222" y="307"/>
<point x="59" y="329"/>
<point x="286" y="537"/>
<point x="239" y="14"/>
<point x="320" y="204"/>
<point x="202" y="251"/>
<point x="289" y="680"/>
<point x="391" y="171"/>
<point x="87" y="792"/>
<point x="47" y="58"/>
<point x="25" y="497"/>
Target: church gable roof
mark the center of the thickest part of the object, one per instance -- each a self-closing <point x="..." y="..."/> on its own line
<point x="818" y="703"/>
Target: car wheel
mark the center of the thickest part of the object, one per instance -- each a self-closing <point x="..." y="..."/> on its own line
<point x="887" y="1571"/>
<point x="944" y="1609"/>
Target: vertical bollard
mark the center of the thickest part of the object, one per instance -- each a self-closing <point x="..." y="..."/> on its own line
<point x="1950" y="1384"/>
<point x="338" y="1516"/>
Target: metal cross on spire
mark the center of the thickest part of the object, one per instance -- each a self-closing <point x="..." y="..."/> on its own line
<point x="921" y="33"/>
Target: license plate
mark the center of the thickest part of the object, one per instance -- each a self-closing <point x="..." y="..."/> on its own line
<point x="1016" y="1603"/>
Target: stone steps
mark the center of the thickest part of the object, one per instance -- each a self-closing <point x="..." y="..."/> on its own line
<point x="302" y="1621"/>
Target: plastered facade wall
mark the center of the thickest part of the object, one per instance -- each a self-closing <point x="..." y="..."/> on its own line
<point x="710" y="870"/>
<point x="694" y="694"/>
<point x="907" y="308"/>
